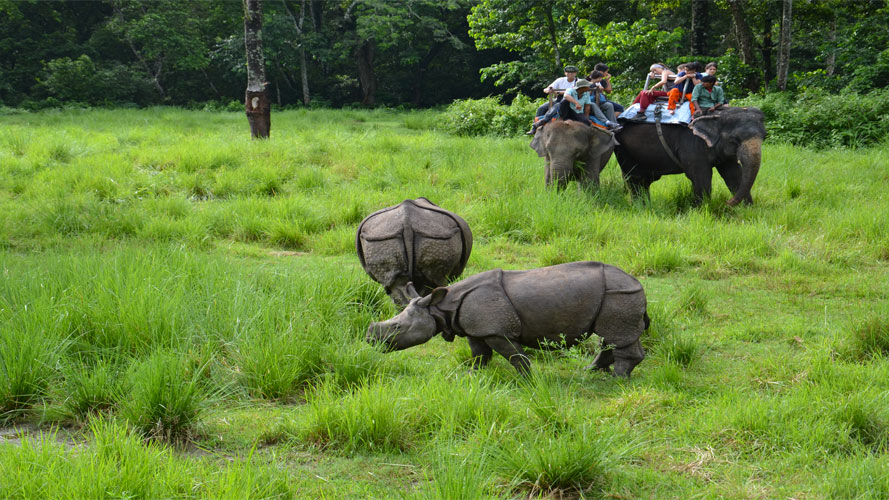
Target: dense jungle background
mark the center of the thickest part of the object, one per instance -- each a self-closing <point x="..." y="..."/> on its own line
<point x="404" y="52"/>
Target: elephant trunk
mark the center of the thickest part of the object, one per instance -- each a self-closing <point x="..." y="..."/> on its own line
<point x="750" y="157"/>
<point x="560" y="170"/>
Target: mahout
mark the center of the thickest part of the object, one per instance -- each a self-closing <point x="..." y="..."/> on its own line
<point x="415" y="241"/>
<point x="730" y="140"/>
<point x="504" y="311"/>
<point x="565" y="142"/>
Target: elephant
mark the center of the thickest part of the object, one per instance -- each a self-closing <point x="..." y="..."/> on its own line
<point x="563" y="142"/>
<point x="731" y="140"/>
<point x="415" y="241"/>
<point x="504" y="310"/>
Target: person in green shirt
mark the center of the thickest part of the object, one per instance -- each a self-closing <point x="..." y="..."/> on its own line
<point x="706" y="96"/>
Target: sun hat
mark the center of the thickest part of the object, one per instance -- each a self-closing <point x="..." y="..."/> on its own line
<point x="582" y="83"/>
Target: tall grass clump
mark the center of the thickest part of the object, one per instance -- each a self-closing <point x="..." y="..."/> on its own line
<point x="373" y="417"/>
<point x="88" y="389"/>
<point x="870" y="338"/>
<point x="460" y="476"/>
<point x="580" y="460"/>
<point x="277" y="364"/>
<point x="866" y="420"/>
<point x="679" y="348"/>
<point x="27" y="366"/>
<point x="163" y="399"/>
<point x="861" y="478"/>
<point x="117" y="463"/>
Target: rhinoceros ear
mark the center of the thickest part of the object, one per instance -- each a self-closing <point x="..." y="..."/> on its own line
<point x="434" y="298"/>
<point x="411" y="290"/>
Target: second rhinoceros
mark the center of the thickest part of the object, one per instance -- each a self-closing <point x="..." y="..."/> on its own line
<point x="504" y="310"/>
<point x="415" y="241"/>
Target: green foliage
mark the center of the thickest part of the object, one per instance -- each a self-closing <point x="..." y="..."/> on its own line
<point x="276" y="363"/>
<point x="88" y="389"/>
<point x="629" y="46"/>
<point x="818" y="119"/>
<point x="80" y="80"/>
<point x="473" y="117"/>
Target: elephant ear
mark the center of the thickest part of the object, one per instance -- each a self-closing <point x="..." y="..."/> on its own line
<point x="707" y="128"/>
<point x="601" y="141"/>
<point x="537" y="144"/>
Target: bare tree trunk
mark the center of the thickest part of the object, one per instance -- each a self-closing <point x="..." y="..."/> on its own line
<point x="553" y="38"/>
<point x="742" y="31"/>
<point x="832" y="38"/>
<point x="767" y="45"/>
<point x="256" y="101"/>
<point x="421" y="72"/>
<point x="365" y="58"/>
<point x="784" y="50"/>
<point x="699" y="27"/>
<point x="303" y="72"/>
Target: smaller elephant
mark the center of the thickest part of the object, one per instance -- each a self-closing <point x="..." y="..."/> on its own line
<point x="504" y="310"/>
<point x="414" y="241"/>
<point x="566" y="141"/>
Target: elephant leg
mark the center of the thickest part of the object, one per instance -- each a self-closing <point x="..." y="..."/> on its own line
<point x="701" y="183"/>
<point x="626" y="358"/>
<point x="732" y="173"/>
<point x="481" y="352"/>
<point x="548" y="173"/>
<point x="638" y="187"/>
<point x="604" y="359"/>
<point x="511" y="351"/>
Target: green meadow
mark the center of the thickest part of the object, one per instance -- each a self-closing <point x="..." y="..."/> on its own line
<point x="182" y="314"/>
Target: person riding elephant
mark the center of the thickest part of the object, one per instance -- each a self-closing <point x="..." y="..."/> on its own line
<point x="729" y="139"/>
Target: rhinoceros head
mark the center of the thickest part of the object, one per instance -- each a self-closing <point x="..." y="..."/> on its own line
<point x="413" y="326"/>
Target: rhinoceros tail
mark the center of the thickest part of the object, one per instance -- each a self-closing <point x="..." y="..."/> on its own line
<point x="647" y="319"/>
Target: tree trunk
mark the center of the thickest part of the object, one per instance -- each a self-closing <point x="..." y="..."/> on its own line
<point x="742" y="32"/>
<point x="700" y="25"/>
<point x="298" y="25"/>
<point x="767" y="45"/>
<point x="830" y="63"/>
<point x="256" y="101"/>
<point x="421" y="72"/>
<point x="553" y="36"/>
<point x="365" y="58"/>
<point x="784" y="51"/>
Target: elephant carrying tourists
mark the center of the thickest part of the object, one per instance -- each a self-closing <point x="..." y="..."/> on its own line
<point x="729" y="139"/>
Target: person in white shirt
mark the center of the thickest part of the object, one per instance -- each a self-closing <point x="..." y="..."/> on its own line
<point x="560" y="85"/>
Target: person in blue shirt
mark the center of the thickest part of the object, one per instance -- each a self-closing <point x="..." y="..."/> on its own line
<point x="575" y="105"/>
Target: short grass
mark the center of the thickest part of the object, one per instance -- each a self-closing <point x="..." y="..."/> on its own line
<point x="182" y="315"/>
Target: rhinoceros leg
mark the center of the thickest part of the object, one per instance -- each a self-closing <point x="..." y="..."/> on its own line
<point x="511" y="351"/>
<point x="481" y="352"/>
<point x="626" y="358"/>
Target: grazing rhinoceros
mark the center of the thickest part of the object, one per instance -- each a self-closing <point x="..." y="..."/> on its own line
<point x="505" y="310"/>
<point x="414" y="241"/>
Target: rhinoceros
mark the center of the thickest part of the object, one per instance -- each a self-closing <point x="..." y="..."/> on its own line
<point x="415" y="241"/>
<point x="502" y="311"/>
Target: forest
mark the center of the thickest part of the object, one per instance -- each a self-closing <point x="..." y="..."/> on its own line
<point x="403" y="53"/>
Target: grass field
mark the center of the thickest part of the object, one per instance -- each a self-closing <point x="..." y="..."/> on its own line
<point x="182" y="314"/>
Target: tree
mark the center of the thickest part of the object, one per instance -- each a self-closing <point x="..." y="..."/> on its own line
<point x="784" y="52"/>
<point x="700" y="25"/>
<point x="256" y="100"/>
<point x="163" y="35"/>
